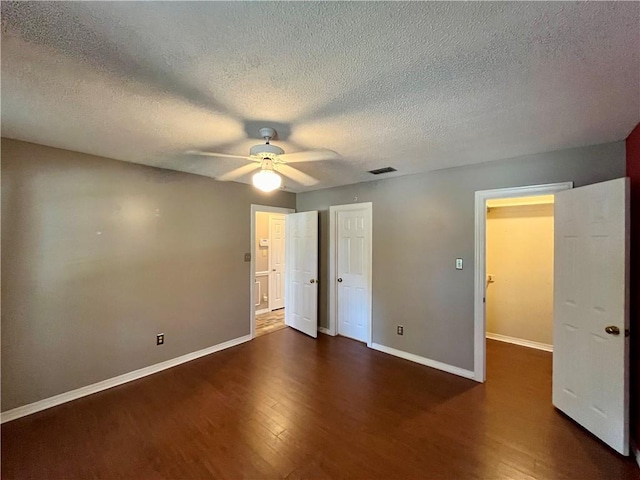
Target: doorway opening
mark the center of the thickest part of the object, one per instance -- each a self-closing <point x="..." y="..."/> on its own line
<point x="497" y="311"/>
<point x="519" y="264"/>
<point x="267" y="269"/>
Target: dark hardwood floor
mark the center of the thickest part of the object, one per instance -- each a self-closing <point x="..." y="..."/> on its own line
<point x="287" y="406"/>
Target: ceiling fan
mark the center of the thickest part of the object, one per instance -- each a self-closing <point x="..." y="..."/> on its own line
<point x="272" y="160"/>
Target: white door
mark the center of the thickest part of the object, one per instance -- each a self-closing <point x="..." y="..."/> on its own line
<point x="353" y="271"/>
<point x="590" y="359"/>
<point x="301" y="272"/>
<point x="276" y="261"/>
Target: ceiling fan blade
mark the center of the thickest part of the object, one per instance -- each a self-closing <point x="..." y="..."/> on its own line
<point x="238" y="172"/>
<point x="309" y="156"/>
<point x="213" y="154"/>
<point x="296" y="175"/>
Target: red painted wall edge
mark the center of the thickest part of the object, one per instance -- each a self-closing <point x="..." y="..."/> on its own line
<point x="633" y="172"/>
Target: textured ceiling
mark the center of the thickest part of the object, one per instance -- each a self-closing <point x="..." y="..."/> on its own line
<point x="417" y="86"/>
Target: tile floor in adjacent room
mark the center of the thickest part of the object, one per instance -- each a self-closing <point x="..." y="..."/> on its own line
<point x="270" y="322"/>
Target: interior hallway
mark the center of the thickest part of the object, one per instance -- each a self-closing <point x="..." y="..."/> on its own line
<point x="286" y="405"/>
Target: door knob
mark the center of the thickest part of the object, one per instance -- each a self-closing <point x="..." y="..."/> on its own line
<point x="612" y="330"/>
<point x="339" y="280"/>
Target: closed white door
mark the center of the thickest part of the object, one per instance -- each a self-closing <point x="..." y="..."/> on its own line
<point x="301" y="272"/>
<point x="591" y="349"/>
<point x="276" y="261"/>
<point x="353" y="270"/>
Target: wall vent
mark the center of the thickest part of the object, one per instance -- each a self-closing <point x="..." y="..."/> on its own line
<point x="383" y="170"/>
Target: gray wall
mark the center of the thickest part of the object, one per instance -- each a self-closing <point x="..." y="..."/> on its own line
<point x="421" y="223"/>
<point x="100" y="255"/>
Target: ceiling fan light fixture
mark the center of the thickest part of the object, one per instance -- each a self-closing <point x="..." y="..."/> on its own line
<point x="267" y="180"/>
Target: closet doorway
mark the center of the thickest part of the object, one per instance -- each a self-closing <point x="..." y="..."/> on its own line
<point x="589" y="368"/>
<point x="519" y="266"/>
<point x="485" y="279"/>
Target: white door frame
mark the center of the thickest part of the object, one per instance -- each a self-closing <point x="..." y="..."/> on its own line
<point x="333" y="284"/>
<point x="479" y="314"/>
<point x="252" y="271"/>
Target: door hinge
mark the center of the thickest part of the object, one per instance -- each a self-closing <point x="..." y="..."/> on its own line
<point x="484" y="300"/>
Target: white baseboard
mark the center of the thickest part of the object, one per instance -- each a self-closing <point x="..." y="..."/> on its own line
<point x="115" y="381"/>
<point x="424" y="361"/>
<point x="636" y="454"/>
<point x="519" y="341"/>
<point x="326" y="331"/>
<point x="263" y="310"/>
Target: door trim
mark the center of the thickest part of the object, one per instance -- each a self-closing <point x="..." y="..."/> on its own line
<point x="252" y="271"/>
<point x="332" y="283"/>
<point x="479" y="317"/>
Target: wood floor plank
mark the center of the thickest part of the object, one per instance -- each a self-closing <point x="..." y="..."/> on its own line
<point x="288" y="406"/>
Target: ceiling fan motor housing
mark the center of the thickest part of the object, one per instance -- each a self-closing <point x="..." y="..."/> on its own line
<point x="265" y="151"/>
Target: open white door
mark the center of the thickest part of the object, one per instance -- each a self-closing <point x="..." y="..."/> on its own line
<point x="301" y="277"/>
<point x="591" y="349"/>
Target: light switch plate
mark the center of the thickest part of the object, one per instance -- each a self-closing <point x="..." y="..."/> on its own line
<point x="458" y="264"/>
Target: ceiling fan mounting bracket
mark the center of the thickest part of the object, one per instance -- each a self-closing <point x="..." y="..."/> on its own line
<point x="266" y="151"/>
<point x="268" y="133"/>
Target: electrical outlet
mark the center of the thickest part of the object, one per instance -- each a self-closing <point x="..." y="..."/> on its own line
<point x="247" y="257"/>
<point x="400" y="330"/>
<point x="160" y="339"/>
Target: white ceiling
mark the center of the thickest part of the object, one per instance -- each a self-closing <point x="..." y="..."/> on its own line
<point x="416" y="86"/>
